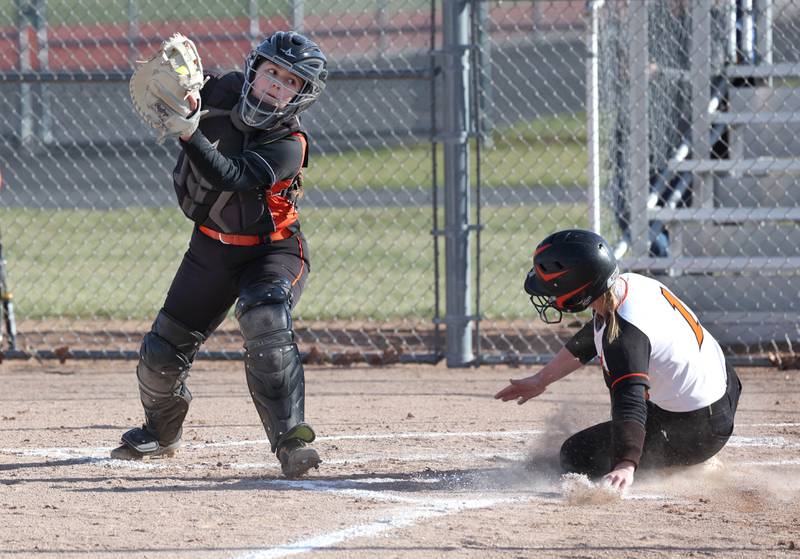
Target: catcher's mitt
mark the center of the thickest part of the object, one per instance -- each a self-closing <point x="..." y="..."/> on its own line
<point x="161" y="87"/>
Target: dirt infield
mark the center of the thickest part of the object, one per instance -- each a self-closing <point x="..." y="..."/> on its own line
<point x="419" y="462"/>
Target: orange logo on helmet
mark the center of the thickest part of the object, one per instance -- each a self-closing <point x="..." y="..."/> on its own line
<point x="563" y="299"/>
<point x="549" y="277"/>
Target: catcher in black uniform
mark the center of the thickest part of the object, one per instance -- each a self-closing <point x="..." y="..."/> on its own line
<point x="238" y="178"/>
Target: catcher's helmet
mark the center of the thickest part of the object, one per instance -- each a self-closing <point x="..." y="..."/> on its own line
<point x="571" y="269"/>
<point x="295" y="53"/>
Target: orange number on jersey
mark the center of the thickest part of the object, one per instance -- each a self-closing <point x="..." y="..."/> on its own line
<point x="678" y="306"/>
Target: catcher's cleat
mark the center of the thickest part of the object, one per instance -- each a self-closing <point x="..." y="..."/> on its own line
<point x="139" y="444"/>
<point x="296" y="458"/>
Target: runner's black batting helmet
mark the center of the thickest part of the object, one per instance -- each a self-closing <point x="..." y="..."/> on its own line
<point x="571" y="269"/>
<point x="296" y="53"/>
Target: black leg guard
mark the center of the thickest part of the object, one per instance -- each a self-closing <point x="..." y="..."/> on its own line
<point x="165" y="358"/>
<point x="272" y="361"/>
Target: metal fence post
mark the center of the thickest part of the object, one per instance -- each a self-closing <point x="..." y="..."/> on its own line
<point x="298" y="15"/>
<point x="593" y="114"/>
<point x="486" y="86"/>
<point x="255" y="21"/>
<point x="764" y="44"/>
<point x="456" y="68"/>
<point x="25" y="97"/>
<point x="747" y="42"/>
<point x="381" y="22"/>
<point x="639" y="186"/>
<point x="732" y="32"/>
<point x="700" y="78"/>
<point x="133" y="31"/>
<point x="43" y="62"/>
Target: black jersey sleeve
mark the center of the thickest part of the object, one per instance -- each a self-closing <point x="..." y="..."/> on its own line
<point x="222" y="91"/>
<point x="581" y="345"/>
<point x="258" y="166"/>
<point x="626" y="362"/>
<point x="628" y="421"/>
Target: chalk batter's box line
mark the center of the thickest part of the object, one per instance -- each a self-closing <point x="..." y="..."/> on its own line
<point x="66" y="452"/>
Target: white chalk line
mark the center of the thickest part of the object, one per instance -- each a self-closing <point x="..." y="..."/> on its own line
<point x="400" y="518"/>
<point x="390" y="436"/>
<point x="357" y="488"/>
<point x="362" y="459"/>
<point x="370" y="458"/>
<point x="791" y="462"/>
<point x="354" y="488"/>
<point x="101" y="453"/>
<point x="436" y="435"/>
<point x="462" y="458"/>
<point x="768" y="425"/>
<point x="423" y="508"/>
<point x="96" y="452"/>
<point x="103" y="460"/>
<point x="761" y="442"/>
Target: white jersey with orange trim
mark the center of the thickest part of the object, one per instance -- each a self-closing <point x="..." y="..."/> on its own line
<point x="686" y="367"/>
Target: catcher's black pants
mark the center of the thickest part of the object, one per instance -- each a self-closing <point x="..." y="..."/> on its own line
<point x="212" y="274"/>
<point x="671" y="438"/>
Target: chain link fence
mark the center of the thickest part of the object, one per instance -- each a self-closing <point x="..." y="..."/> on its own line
<point x="668" y="126"/>
<point x="700" y="156"/>
<point x="91" y="231"/>
<point x="677" y="140"/>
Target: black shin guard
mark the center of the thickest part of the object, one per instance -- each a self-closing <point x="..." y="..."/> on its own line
<point x="165" y="359"/>
<point x="275" y="374"/>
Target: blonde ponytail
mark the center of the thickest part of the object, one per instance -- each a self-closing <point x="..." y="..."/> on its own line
<point x="608" y="307"/>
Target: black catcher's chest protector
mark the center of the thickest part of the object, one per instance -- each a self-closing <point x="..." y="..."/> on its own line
<point x="226" y="211"/>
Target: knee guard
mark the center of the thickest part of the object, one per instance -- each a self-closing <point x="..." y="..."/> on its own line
<point x="272" y="361"/>
<point x="165" y="358"/>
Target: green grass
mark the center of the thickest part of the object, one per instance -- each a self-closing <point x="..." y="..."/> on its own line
<point x="366" y="263"/>
<point x="91" y="263"/>
<point x="374" y="263"/>
<point x="507" y="244"/>
<point x="548" y="151"/>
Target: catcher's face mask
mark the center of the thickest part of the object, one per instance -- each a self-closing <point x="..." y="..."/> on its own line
<point x="276" y="89"/>
<point x="274" y="86"/>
